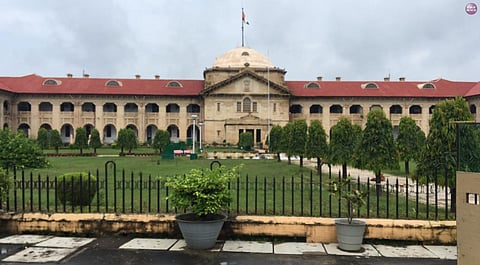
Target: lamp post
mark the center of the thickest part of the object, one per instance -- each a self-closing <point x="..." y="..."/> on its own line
<point x="200" y="124"/>
<point x="194" y="118"/>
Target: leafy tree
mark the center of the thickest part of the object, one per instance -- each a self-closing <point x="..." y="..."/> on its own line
<point x="42" y="138"/>
<point x="287" y="140"/>
<point x="16" y="149"/>
<point x="246" y="141"/>
<point x="122" y="140"/>
<point x="81" y="141"/>
<point x="377" y="147"/>
<point x="55" y="140"/>
<point x="409" y="142"/>
<point x="300" y="128"/>
<point x="131" y="140"/>
<point x="161" y="140"/>
<point x="95" y="140"/>
<point x="344" y="139"/>
<point x="439" y="151"/>
<point x="275" y="141"/>
<point x="316" y="146"/>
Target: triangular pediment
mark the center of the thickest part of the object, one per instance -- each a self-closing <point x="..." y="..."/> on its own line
<point x="246" y="82"/>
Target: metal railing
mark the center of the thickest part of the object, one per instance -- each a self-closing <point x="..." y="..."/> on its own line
<point x="302" y="195"/>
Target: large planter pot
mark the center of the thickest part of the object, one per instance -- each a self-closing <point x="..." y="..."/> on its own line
<point x="350" y="236"/>
<point x="200" y="234"/>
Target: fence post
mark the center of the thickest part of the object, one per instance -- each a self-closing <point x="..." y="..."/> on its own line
<point x="114" y="183"/>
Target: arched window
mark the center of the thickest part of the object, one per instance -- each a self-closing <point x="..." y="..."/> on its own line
<point x="428" y="86"/>
<point x="337" y="109"/>
<point x="174" y="84"/>
<point x="473" y="109"/>
<point x="316" y="109"/>
<point x="24" y="106"/>
<point x="312" y="85"/>
<point x="193" y="108"/>
<point x="151" y="107"/>
<point x="113" y="83"/>
<point x="109" y="107"/>
<point x="415" y="109"/>
<point x="371" y="86"/>
<point x="375" y="107"/>
<point x="66" y="107"/>
<point x="430" y="110"/>
<point x="395" y="109"/>
<point x="88" y="107"/>
<point x="356" y="109"/>
<point x="173" y="108"/>
<point x="45" y="106"/>
<point x="295" y="109"/>
<point x="130" y="107"/>
<point x="247" y="103"/>
<point x="50" y="82"/>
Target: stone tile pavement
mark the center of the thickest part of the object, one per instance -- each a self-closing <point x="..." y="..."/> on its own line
<point x="44" y="249"/>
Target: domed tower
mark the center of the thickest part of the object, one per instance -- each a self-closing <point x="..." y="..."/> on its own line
<point x="243" y="92"/>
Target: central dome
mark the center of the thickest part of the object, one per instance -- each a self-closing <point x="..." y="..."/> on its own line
<point x="241" y="57"/>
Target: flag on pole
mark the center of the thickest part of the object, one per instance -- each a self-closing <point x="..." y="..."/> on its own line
<point x="244" y="18"/>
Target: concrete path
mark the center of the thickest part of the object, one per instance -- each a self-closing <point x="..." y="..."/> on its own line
<point x="28" y="249"/>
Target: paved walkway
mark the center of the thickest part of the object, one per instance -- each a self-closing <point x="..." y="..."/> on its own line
<point x="27" y="249"/>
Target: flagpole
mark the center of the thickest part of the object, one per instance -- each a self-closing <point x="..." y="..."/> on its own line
<point x="243" y="30"/>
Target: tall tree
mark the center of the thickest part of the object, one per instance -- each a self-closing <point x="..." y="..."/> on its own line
<point x="300" y="128"/>
<point x="287" y="140"/>
<point x="377" y="147"/>
<point x="409" y="142"/>
<point x="275" y="141"/>
<point x="344" y="139"/>
<point x="42" y="138"/>
<point x="439" y="152"/>
<point x="316" y="146"/>
<point x="81" y="141"/>
<point x="161" y="140"/>
<point x="131" y="140"/>
<point x="55" y="140"/>
<point x="95" y="140"/>
<point x="122" y="140"/>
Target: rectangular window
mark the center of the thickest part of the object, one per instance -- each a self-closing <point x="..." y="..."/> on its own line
<point x="218" y="106"/>
<point x="274" y="107"/>
<point x="239" y="106"/>
<point x="254" y="106"/>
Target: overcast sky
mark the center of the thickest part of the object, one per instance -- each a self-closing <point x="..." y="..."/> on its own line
<point x="357" y="40"/>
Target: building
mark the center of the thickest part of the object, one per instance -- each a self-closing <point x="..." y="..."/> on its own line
<point x="242" y="92"/>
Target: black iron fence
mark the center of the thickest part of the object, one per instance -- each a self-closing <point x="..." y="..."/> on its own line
<point x="303" y="195"/>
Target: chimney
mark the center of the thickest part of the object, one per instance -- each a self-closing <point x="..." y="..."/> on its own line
<point x="86" y="75"/>
<point x="338" y="78"/>
<point x="137" y="76"/>
<point x="386" y="79"/>
<point x="401" y="79"/>
<point x="157" y="77"/>
<point x="319" y="78"/>
<point x="69" y="75"/>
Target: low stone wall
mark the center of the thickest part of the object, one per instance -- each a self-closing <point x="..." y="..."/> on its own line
<point x="314" y="229"/>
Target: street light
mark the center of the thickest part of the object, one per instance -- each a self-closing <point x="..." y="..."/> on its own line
<point x="200" y="124"/>
<point x="194" y="117"/>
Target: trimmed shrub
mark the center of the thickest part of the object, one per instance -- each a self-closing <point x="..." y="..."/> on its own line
<point x="74" y="188"/>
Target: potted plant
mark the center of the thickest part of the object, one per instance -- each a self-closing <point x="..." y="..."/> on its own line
<point x="349" y="231"/>
<point x="204" y="194"/>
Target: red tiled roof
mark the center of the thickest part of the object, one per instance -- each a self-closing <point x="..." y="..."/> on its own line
<point x="443" y="88"/>
<point x="33" y="84"/>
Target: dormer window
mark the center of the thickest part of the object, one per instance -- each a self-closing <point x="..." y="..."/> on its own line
<point x="428" y="86"/>
<point x="245" y="54"/>
<point x="174" y="84"/>
<point x="50" y="82"/>
<point x="370" y="86"/>
<point x="312" y="85"/>
<point x="113" y="83"/>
